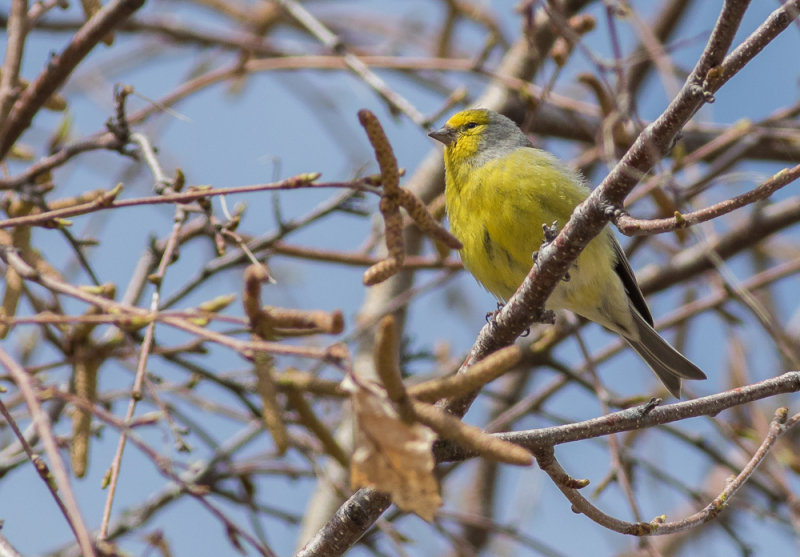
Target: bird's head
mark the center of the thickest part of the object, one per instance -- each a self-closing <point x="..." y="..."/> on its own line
<point x="479" y="132"/>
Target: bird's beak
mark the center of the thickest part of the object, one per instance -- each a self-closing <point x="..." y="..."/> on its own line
<point x="445" y="135"/>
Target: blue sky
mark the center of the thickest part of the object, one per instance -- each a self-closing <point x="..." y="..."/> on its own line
<point x="280" y="124"/>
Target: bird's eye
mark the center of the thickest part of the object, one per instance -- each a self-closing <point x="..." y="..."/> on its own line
<point x="470" y="125"/>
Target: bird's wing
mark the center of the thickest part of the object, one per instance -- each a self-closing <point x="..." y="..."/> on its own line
<point x="625" y="273"/>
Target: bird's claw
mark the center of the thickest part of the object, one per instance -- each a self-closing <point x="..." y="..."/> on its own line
<point x="550" y="232"/>
<point x="649" y="406"/>
<point x="613" y="212"/>
<point x="491" y="316"/>
<point x="547" y="316"/>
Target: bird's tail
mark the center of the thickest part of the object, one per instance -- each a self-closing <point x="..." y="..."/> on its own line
<point x="667" y="363"/>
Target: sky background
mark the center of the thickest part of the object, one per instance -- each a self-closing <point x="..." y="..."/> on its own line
<point x="270" y="128"/>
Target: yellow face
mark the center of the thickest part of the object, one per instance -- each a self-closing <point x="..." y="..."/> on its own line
<point x="462" y="133"/>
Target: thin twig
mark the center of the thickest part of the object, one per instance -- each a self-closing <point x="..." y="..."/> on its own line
<point x="546" y="459"/>
<point x="9" y="78"/>
<point x="325" y="36"/>
<point x="637" y="227"/>
<point x="639" y="417"/>
<point x="162" y="184"/>
<point x="193" y="194"/>
<point x="59" y="471"/>
<point x="60" y="67"/>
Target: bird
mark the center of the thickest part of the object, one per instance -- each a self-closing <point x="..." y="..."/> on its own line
<point x="499" y="192"/>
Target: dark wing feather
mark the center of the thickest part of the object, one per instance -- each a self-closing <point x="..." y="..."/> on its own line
<point x="625" y="273"/>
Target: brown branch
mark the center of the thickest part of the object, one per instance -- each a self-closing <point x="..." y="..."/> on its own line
<point x="638" y="417"/>
<point x="256" y="244"/>
<point x="637" y="227"/>
<point x="61" y="67"/>
<point x="309" y="419"/>
<point x="109" y="201"/>
<point x="485" y="371"/>
<point x="139" y="318"/>
<point x="348" y="524"/>
<point x="670" y="15"/>
<point x="191" y="482"/>
<point x="778" y="426"/>
<point x="556" y="116"/>
<point x="59" y="471"/>
<point x="396" y="102"/>
<point x="358" y="259"/>
<point x="389" y="204"/>
<point x="521" y="61"/>
<point x="263" y="326"/>
<point x="545" y="457"/>
<point x="156" y="279"/>
<point x="469" y="437"/>
<point x="569" y="487"/>
<point x="697" y="259"/>
<point x="9" y="76"/>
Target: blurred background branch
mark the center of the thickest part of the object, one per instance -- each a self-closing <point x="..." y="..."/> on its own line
<point x="186" y="154"/>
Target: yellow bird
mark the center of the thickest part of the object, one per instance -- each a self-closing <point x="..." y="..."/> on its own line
<point x="499" y="191"/>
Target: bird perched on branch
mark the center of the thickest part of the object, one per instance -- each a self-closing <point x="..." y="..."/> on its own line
<point x="500" y="191"/>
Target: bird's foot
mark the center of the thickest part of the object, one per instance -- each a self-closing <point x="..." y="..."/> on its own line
<point x="649" y="406"/>
<point x="550" y="233"/>
<point x="491" y="316"/>
<point x="613" y="212"/>
<point x="547" y="316"/>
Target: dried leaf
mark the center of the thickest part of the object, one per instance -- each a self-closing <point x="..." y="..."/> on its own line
<point x="390" y="455"/>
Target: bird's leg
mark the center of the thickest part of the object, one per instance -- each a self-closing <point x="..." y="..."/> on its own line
<point x="550" y="233"/>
